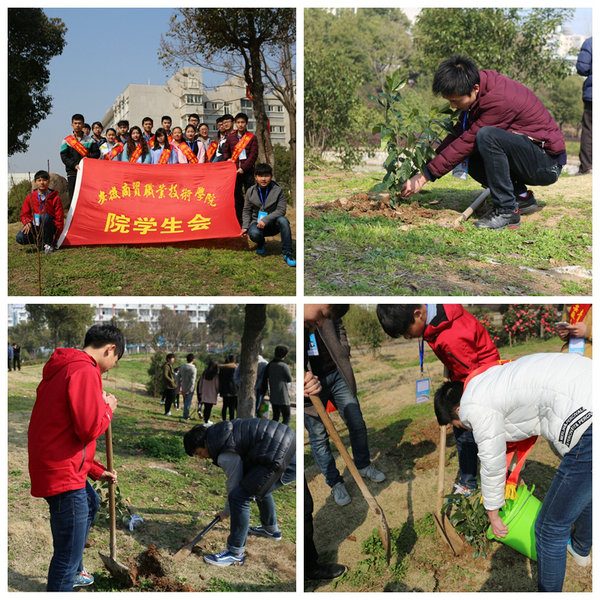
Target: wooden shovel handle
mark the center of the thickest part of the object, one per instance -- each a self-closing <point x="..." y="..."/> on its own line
<point x="111" y="495"/>
<point x="441" y="468"/>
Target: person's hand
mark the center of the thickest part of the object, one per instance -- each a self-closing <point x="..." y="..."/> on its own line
<point x="26" y="228"/>
<point x="312" y="385"/>
<point x="413" y="185"/>
<point x="222" y="515"/>
<point x="108" y="476"/>
<point x="577" y="330"/>
<point x="240" y="171"/>
<point x="261" y="224"/>
<point x="244" y="233"/>
<point x="563" y="332"/>
<point x="77" y="167"/>
<point x="110" y="400"/>
<point x="499" y="529"/>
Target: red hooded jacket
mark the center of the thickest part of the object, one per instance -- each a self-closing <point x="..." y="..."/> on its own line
<point x="460" y="341"/>
<point x="52" y="205"/>
<point x="68" y="416"/>
<point x="505" y="104"/>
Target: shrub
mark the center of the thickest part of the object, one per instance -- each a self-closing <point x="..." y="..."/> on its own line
<point x="154" y="386"/>
<point x="163" y="446"/>
<point x="16" y="197"/>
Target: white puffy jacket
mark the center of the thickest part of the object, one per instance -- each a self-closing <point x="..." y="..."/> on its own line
<point x="540" y="394"/>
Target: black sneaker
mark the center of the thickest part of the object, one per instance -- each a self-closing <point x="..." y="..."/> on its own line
<point x="528" y="204"/>
<point x="497" y="220"/>
<point x="324" y="571"/>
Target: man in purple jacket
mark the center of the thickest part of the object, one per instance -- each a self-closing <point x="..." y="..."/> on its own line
<point x="505" y="134"/>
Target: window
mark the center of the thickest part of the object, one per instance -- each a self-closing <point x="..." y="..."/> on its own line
<point x="246" y="103"/>
<point x="193" y="83"/>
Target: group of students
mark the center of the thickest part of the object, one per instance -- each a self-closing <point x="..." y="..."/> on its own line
<point x="489" y="402"/>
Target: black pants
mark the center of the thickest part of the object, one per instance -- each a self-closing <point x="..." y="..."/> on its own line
<point x="506" y="162"/>
<point x="169" y="399"/>
<point x="283" y="411"/>
<point x="17" y="363"/>
<point x="585" y="151"/>
<point x="71" y="181"/>
<point x="206" y="410"/>
<point x="229" y="404"/>
<point x="311" y="557"/>
<point x="243" y="182"/>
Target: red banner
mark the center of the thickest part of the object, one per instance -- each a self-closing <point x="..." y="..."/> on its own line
<point x="122" y="203"/>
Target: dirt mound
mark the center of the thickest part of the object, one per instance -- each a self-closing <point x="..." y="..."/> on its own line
<point x="150" y="574"/>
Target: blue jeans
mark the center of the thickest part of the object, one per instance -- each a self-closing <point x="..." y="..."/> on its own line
<point x="568" y="503"/>
<point x="239" y="507"/>
<point x="337" y="390"/>
<point x="71" y="516"/>
<point x="467" y="457"/>
<point x="187" y="404"/>
<point x="506" y="162"/>
<point x="280" y="225"/>
<point x="44" y="233"/>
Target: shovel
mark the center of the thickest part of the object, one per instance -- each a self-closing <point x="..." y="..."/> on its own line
<point x="448" y="533"/>
<point x="119" y="571"/>
<point x="474" y="206"/>
<point x="384" y="530"/>
<point x="185" y="551"/>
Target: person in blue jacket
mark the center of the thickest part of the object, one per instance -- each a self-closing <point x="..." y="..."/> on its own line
<point x="584" y="68"/>
<point x="136" y="138"/>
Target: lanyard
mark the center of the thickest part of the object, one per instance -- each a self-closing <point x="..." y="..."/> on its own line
<point x="421" y="353"/>
<point x="465" y="121"/>
<point x="260" y="191"/>
<point x="41" y="200"/>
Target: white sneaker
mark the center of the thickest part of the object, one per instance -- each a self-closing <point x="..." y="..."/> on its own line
<point x="340" y="494"/>
<point x="582" y="561"/>
<point x="48" y="249"/>
<point x="208" y="423"/>
<point x="372" y="473"/>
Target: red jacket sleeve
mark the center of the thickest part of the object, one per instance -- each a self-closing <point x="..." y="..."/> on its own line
<point x="57" y="213"/>
<point x="26" y="212"/>
<point x="96" y="470"/>
<point x="90" y="414"/>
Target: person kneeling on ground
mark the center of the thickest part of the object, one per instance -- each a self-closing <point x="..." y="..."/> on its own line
<point x="42" y="215"/>
<point x="264" y="213"/>
<point x="506" y="135"/>
<point x="258" y="457"/>
<point x="542" y="394"/>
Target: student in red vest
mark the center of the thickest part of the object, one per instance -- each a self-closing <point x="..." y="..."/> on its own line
<point x="123" y="131"/>
<point x="462" y="343"/>
<point x="75" y="147"/>
<point x="42" y="215"/>
<point x="221" y="138"/>
<point x="165" y="123"/>
<point x="193" y="151"/>
<point x="111" y="149"/>
<point x="178" y="142"/>
<point x="136" y="149"/>
<point x="147" y="125"/>
<point x="241" y="147"/>
<point x="162" y="153"/>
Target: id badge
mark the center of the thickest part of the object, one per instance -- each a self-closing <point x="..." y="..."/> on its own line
<point x="261" y="215"/>
<point x="422" y="390"/>
<point x="36" y="219"/>
<point x="242" y="155"/>
<point x="313" y="350"/>
<point x="576" y="345"/>
<point x="461" y="170"/>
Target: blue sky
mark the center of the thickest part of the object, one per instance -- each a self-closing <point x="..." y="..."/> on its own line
<point x="106" y="50"/>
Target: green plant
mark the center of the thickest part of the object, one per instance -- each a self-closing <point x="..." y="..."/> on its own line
<point x="163" y="446"/>
<point x="467" y="515"/>
<point x="122" y="511"/>
<point x="407" y="133"/>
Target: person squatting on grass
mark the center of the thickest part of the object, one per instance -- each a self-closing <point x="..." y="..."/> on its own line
<point x="42" y="215"/>
<point x="258" y="457"/>
<point x="327" y="354"/>
<point x="71" y="411"/>
<point x="504" y="132"/>
<point x="541" y="394"/>
<point x="263" y="214"/>
<point x="462" y="343"/>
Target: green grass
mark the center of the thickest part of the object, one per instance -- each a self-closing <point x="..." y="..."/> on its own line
<point x="376" y="255"/>
<point x="211" y="268"/>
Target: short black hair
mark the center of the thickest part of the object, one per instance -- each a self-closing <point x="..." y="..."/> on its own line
<point x="97" y="123"/>
<point x="112" y="129"/>
<point x="169" y="356"/>
<point x="100" y="335"/>
<point x="227" y="116"/>
<point x="202" y="124"/>
<point x="124" y="122"/>
<point x="456" y="76"/>
<point x="395" y="319"/>
<point x="147" y="119"/>
<point x="195" y="438"/>
<point x="219" y="120"/>
<point x="281" y="351"/>
<point x="241" y="115"/>
<point x="195" y="115"/>
<point x="189" y="357"/>
<point x="166" y="118"/>
<point x="87" y="125"/>
<point x="339" y="310"/>
<point x="446" y="400"/>
<point x="77" y="117"/>
<point x="263" y="169"/>
<point x="41" y="175"/>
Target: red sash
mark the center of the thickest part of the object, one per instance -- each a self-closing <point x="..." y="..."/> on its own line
<point x="116" y="150"/>
<point x="578" y="312"/>
<point x="136" y="153"/>
<point x="150" y="141"/>
<point x="241" y="145"/>
<point x="210" y="151"/>
<point x="164" y="156"/>
<point x="187" y="152"/>
<point x="77" y="145"/>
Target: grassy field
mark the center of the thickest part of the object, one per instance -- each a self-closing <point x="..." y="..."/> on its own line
<point x="210" y="268"/>
<point x="353" y="247"/>
<point x="403" y="440"/>
<point x="176" y="495"/>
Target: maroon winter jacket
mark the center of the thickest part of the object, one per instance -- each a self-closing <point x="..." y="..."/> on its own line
<point x="501" y="103"/>
<point x="460" y="341"/>
<point x="52" y="206"/>
<point x="68" y="416"/>
<point x="246" y="164"/>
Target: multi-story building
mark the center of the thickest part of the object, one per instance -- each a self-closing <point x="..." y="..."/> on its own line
<point x="184" y="94"/>
<point x="148" y="313"/>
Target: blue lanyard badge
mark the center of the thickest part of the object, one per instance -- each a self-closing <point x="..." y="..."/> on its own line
<point x="423" y="385"/>
<point x="576" y="345"/>
<point x="263" y="199"/>
<point x="313" y="350"/>
<point x="462" y="169"/>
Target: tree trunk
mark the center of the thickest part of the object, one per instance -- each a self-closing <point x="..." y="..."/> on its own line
<point x="254" y="322"/>
<point x="257" y="90"/>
